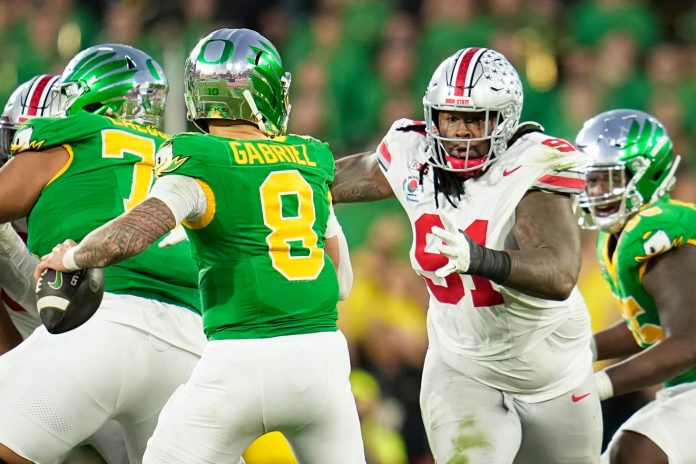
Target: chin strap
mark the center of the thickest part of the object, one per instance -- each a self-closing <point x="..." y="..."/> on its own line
<point x="254" y="110"/>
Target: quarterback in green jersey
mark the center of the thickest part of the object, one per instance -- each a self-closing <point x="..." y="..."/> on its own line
<point x="255" y="203"/>
<point x="69" y="175"/>
<point x="647" y="253"/>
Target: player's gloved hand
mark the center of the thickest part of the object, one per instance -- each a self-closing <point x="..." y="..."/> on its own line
<point x="468" y="257"/>
<point x="456" y="246"/>
<point x="176" y="235"/>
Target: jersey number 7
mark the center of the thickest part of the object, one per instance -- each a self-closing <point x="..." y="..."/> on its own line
<point x="482" y="292"/>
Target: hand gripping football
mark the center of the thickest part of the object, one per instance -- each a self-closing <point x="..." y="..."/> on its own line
<point x="66" y="300"/>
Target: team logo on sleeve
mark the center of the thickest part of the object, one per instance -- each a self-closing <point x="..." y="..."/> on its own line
<point x="165" y="161"/>
<point x="171" y="165"/>
<point x="22" y="140"/>
<point x="413" y="189"/>
<point x="657" y="243"/>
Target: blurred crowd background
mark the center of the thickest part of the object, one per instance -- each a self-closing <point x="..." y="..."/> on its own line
<point x="357" y="66"/>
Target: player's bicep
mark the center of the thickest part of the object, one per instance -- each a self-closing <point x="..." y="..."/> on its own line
<point x="546" y="221"/>
<point x="23" y="178"/>
<point x="669" y="279"/>
<point x="359" y="178"/>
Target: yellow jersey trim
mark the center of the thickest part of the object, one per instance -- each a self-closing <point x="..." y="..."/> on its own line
<point x="209" y="211"/>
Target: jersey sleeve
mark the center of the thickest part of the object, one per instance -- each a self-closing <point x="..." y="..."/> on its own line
<point x="402" y="135"/>
<point x="564" y="165"/>
<point x="39" y="134"/>
<point x="180" y="155"/>
<point x="657" y="230"/>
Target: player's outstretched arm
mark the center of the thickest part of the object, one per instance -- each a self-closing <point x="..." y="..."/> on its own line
<point x="547" y="263"/>
<point x="23" y="178"/>
<point x="358" y="178"/>
<point x="669" y="280"/>
<point x="118" y="239"/>
<point x="615" y="341"/>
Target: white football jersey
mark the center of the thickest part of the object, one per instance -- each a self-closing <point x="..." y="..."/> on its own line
<point x="470" y="318"/>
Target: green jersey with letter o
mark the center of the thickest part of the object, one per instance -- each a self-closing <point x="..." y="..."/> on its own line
<point x="260" y="244"/>
<point x="110" y="170"/>
<point x="656" y="229"/>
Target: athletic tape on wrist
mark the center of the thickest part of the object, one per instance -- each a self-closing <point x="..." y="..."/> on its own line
<point x="69" y="260"/>
<point x="605" y="389"/>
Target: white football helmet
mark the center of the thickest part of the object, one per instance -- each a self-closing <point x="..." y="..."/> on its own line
<point x="473" y="80"/>
<point x="39" y="96"/>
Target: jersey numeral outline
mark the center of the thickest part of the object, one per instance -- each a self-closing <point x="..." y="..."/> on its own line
<point x="286" y="229"/>
<point x="115" y="145"/>
<point x="482" y="292"/>
<point x="559" y="144"/>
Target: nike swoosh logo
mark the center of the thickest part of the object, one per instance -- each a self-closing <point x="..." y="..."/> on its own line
<point x="55" y="285"/>
<point x="507" y="173"/>
<point x="577" y="398"/>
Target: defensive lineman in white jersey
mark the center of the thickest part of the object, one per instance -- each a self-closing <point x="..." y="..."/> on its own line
<point x="508" y="374"/>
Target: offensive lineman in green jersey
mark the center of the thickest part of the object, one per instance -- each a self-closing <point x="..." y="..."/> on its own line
<point x="70" y="175"/>
<point x="647" y="252"/>
<point x="255" y="204"/>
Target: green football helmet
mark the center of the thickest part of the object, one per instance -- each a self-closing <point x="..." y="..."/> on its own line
<point x="237" y="74"/>
<point x="116" y="80"/>
<point x="630" y="164"/>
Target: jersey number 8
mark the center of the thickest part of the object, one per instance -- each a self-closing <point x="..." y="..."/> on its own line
<point x="286" y="229"/>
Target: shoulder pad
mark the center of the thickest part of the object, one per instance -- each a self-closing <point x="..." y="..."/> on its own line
<point x="523" y="129"/>
<point x="40" y="134"/>
<point x="408" y="125"/>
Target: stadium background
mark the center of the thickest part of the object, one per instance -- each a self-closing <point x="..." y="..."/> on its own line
<point x="358" y="65"/>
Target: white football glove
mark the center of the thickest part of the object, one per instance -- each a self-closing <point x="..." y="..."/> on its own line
<point x="176" y="235"/>
<point x="457" y="248"/>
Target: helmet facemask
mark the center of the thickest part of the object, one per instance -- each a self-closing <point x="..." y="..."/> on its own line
<point x="630" y="165"/>
<point x="607" y="207"/>
<point x="473" y="80"/>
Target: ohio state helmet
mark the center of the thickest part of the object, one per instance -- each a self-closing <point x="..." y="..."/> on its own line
<point x="39" y="96"/>
<point x="473" y="80"/>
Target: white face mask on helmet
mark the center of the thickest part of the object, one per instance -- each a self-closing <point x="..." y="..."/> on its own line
<point x="474" y="80"/>
<point x="39" y="96"/>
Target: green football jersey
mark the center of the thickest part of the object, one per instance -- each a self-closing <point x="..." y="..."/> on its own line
<point x="660" y="227"/>
<point x="259" y="247"/>
<point x="109" y="171"/>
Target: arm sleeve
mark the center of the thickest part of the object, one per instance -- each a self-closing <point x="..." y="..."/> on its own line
<point x="344" y="270"/>
<point x="332" y="226"/>
<point x="17" y="267"/>
<point x="183" y="195"/>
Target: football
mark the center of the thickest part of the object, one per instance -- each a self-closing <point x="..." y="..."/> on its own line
<point x="66" y="300"/>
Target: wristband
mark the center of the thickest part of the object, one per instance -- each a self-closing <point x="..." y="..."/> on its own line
<point x="69" y="260"/>
<point x="605" y="389"/>
<point x="491" y="264"/>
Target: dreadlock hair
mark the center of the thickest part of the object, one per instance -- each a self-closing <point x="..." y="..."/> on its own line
<point x="445" y="182"/>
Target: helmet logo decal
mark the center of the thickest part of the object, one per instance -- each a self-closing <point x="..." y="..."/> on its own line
<point x="463" y="70"/>
<point x="38" y="96"/>
<point x="222" y="55"/>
